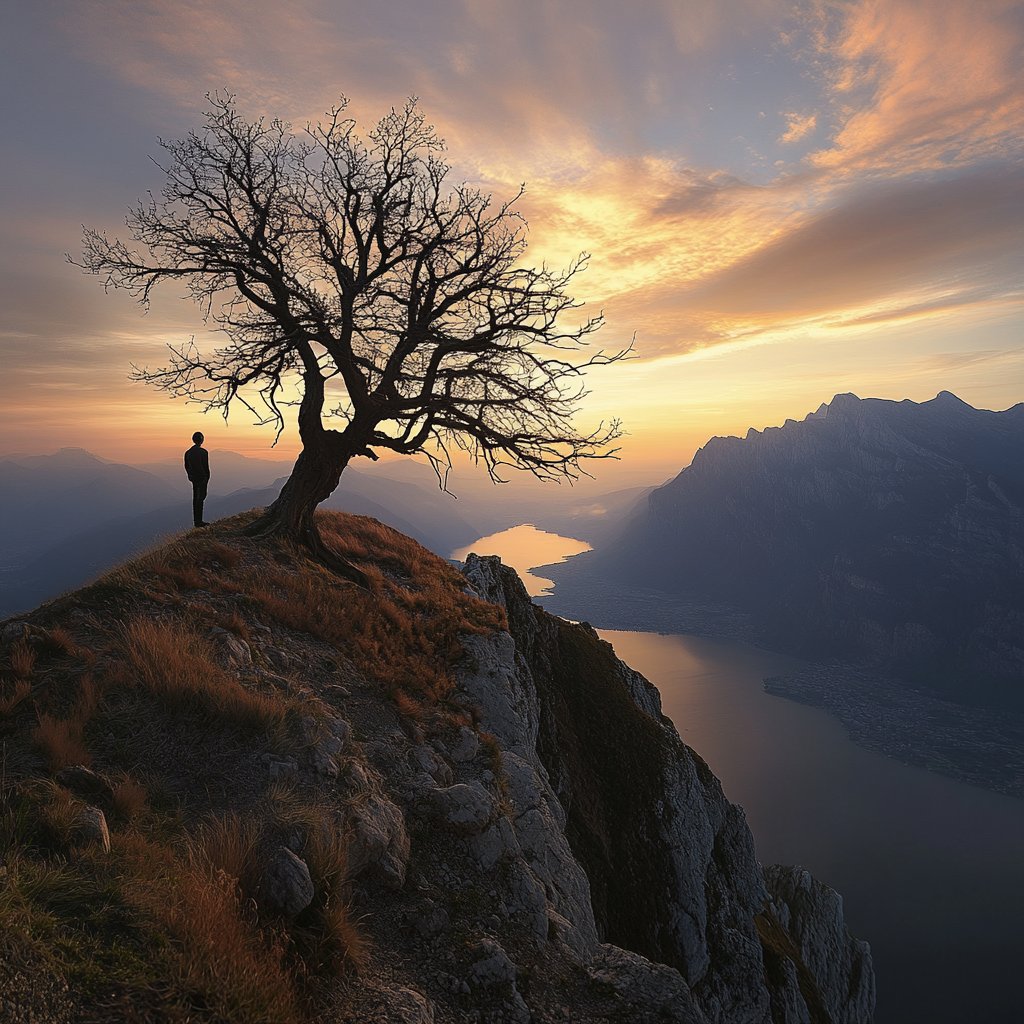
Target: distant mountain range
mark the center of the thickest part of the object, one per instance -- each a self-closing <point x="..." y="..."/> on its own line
<point x="882" y="541"/>
<point x="66" y="517"/>
<point x="891" y="533"/>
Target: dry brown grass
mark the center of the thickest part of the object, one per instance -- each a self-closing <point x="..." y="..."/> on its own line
<point x="23" y="660"/>
<point x="327" y="936"/>
<point x="60" y="815"/>
<point x="230" y="845"/>
<point x="176" y="666"/>
<point x="219" y="951"/>
<point x="60" y="742"/>
<point x="130" y="799"/>
<point x="10" y="701"/>
<point x="404" y="632"/>
<point x="234" y="623"/>
<point x="56" y="641"/>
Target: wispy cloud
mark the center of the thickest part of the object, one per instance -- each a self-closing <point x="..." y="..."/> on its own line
<point x="798" y="126"/>
<point x="921" y="85"/>
<point x="887" y="189"/>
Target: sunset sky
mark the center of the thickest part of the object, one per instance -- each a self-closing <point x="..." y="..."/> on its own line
<point x="783" y="201"/>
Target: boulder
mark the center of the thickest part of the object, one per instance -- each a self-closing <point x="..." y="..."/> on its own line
<point x="425" y="761"/>
<point x="465" y="746"/>
<point x="494" y="966"/>
<point x="464" y="809"/>
<point x="92" y="827"/>
<point x="379" y="841"/>
<point x="287" y="888"/>
<point x="15" y="631"/>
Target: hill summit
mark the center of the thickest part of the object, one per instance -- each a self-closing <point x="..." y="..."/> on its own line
<point x="236" y="788"/>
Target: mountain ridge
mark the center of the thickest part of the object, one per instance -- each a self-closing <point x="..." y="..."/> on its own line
<point x="872" y="537"/>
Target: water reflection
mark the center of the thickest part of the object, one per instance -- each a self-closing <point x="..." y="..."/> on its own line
<point x="931" y="870"/>
<point x="523" y="548"/>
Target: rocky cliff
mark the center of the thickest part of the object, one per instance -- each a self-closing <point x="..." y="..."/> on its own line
<point x="235" y="789"/>
<point x="669" y="860"/>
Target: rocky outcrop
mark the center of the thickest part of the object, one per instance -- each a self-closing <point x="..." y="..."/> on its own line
<point x="669" y="862"/>
<point x="533" y="842"/>
<point x="840" y="965"/>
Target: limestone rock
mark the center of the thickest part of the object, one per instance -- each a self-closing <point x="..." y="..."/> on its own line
<point x="494" y="967"/>
<point x="15" y="631"/>
<point x="379" y="841"/>
<point x="495" y="843"/>
<point x="812" y="913"/>
<point x="466" y="745"/>
<point x="670" y="864"/>
<point x="653" y="991"/>
<point x="287" y="888"/>
<point x="339" y="728"/>
<point x="283" y="770"/>
<point x="507" y="698"/>
<point x="429" y="920"/>
<point x="93" y="827"/>
<point x="324" y="741"/>
<point x="539" y="826"/>
<point x="464" y="809"/>
<point x="424" y="760"/>
<point x="232" y="651"/>
<point x="406" y="1006"/>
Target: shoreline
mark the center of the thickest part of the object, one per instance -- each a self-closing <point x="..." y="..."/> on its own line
<point x="980" y="746"/>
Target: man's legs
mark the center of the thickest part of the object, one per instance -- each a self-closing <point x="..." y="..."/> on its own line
<point x="198" y="497"/>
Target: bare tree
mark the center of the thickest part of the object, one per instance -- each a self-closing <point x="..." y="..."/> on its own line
<point x="347" y="279"/>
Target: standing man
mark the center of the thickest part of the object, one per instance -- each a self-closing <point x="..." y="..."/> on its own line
<point x="197" y="468"/>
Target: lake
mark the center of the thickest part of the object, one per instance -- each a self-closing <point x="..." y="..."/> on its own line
<point x="931" y="870"/>
<point x="524" y="548"/>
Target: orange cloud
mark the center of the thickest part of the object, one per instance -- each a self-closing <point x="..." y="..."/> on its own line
<point x="923" y="84"/>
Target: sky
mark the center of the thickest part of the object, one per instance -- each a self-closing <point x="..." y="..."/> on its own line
<point x="782" y="201"/>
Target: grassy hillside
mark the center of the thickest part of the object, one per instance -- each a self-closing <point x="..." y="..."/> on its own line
<point x="159" y="695"/>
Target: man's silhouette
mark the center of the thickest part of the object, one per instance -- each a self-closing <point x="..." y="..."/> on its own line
<point x="197" y="468"/>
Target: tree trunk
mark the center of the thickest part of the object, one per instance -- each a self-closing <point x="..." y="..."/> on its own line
<point x="314" y="479"/>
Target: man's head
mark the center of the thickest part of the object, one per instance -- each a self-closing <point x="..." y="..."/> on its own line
<point x="197" y="438"/>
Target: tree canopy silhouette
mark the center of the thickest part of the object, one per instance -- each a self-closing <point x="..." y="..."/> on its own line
<point x="349" y="280"/>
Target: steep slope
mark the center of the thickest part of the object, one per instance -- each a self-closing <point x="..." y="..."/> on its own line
<point x="886" y="533"/>
<point x="236" y="788"/>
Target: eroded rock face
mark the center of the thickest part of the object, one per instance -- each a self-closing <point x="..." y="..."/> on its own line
<point x="649" y="989"/>
<point x="669" y="862"/>
<point x="812" y="913"/>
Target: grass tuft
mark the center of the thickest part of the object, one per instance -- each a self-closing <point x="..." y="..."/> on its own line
<point x="130" y="799"/>
<point x="60" y="742"/>
<point x="23" y="660"/>
<point x="8" y="704"/>
<point x="176" y="666"/>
